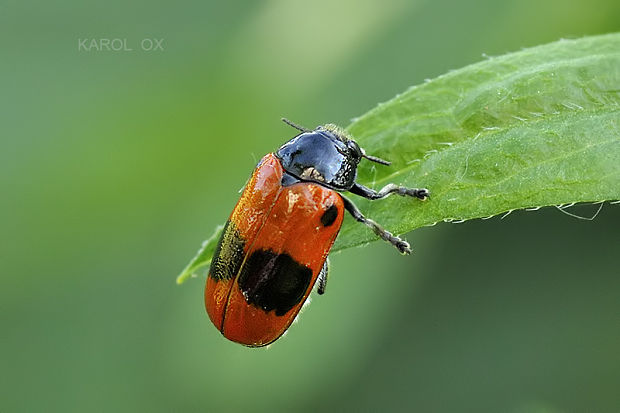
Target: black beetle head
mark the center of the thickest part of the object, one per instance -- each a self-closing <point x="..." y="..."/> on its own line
<point x="327" y="155"/>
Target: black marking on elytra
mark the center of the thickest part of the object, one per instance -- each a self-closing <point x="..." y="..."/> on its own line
<point x="228" y="254"/>
<point x="274" y="281"/>
<point x="329" y="216"/>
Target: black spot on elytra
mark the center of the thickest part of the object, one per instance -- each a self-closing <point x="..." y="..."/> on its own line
<point x="329" y="216"/>
<point x="228" y="254"/>
<point x="274" y="281"/>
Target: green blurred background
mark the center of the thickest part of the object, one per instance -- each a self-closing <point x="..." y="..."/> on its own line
<point x="116" y="165"/>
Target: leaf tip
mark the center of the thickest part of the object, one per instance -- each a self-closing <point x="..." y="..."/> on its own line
<point x="181" y="278"/>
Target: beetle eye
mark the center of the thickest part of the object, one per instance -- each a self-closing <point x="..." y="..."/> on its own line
<point x="354" y="149"/>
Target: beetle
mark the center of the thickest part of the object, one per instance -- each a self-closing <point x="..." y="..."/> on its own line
<point x="273" y="248"/>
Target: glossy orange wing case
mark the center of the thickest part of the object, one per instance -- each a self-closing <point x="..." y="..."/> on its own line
<point x="270" y="255"/>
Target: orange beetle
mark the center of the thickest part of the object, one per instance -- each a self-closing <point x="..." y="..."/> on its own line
<point x="274" y="246"/>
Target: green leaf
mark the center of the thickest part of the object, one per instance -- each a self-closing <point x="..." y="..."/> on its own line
<point x="202" y="258"/>
<point x="534" y="128"/>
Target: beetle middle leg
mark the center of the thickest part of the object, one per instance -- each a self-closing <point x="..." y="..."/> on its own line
<point x="400" y="244"/>
<point x="361" y="190"/>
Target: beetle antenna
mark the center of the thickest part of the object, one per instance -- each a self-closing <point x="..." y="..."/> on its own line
<point x="296" y="126"/>
<point x="375" y="159"/>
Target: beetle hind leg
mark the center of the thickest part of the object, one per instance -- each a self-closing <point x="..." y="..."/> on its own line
<point x="322" y="281"/>
<point x="389" y="189"/>
<point x="400" y="244"/>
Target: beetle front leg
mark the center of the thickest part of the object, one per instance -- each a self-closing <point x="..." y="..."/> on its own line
<point x="361" y="190"/>
<point x="402" y="245"/>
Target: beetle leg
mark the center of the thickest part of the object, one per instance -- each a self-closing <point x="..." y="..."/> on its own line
<point x="361" y="190"/>
<point x="323" y="277"/>
<point x="401" y="245"/>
